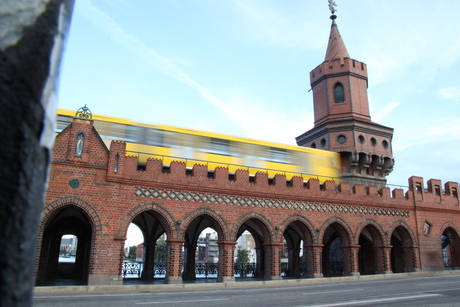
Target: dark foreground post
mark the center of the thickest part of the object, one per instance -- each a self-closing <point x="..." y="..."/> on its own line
<point x="32" y="34"/>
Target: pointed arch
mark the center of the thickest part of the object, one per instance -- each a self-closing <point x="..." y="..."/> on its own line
<point x="297" y="218"/>
<point x="338" y="257"/>
<point x="222" y="229"/>
<point x="446" y="225"/>
<point x="411" y="236"/>
<point x="370" y="222"/>
<point x="404" y="252"/>
<point x="370" y="238"/>
<point x="63" y="202"/>
<point x="164" y="215"/>
<point x="343" y="229"/>
<point x="256" y="215"/>
<point x="298" y="233"/>
<point x="67" y="215"/>
<point x="449" y="241"/>
<point x="190" y="231"/>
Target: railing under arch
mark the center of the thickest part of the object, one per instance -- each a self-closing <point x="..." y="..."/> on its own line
<point x="132" y="269"/>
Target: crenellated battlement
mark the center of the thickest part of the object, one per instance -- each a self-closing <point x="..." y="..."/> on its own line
<point x="434" y="192"/>
<point x="338" y="67"/>
<point x="199" y="177"/>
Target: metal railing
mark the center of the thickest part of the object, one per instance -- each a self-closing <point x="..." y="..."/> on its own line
<point x="131" y="269"/>
<point x="244" y="269"/>
<point x="206" y="269"/>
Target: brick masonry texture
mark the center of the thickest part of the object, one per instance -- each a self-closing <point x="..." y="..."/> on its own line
<point x="111" y="192"/>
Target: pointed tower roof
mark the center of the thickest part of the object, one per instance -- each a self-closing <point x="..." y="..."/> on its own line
<point x="336" y="48"/>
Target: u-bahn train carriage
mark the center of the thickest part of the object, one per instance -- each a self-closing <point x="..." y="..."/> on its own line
<point x="169" y="144"/>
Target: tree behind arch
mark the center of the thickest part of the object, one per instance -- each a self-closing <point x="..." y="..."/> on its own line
<point x="242" y="255"/>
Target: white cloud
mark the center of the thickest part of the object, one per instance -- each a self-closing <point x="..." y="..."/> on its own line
<point x="409" y="42"/>
<point x="446" y="129"/>
<point x="384" y="112"/>
<point x="273" y="23"/>
<point x="452" y="92"/>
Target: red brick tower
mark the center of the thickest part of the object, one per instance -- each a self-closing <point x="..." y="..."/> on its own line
<point x="342" y="120"/>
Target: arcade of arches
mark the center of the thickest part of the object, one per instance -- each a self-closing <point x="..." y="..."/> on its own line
<point x="331" y="250"/>
<point x="315" y="230"/>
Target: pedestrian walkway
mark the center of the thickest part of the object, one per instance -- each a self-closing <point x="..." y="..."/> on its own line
<point x="158" y="285"/>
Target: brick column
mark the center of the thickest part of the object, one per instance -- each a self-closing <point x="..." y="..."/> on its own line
<point x="175" y="258"/>
<point x="273" y="260"/>
<point x="350" y="260"/>
<point x="383" y="259"/>
<point x="314" y="260"/>
<point x="106" y="261"/>
<point x="226" y="262"/>
<point x="412" y="258"/>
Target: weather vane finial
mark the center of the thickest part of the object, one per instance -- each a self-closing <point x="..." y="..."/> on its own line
<point x="332" y="6"/>
<point x="84" y="112"/>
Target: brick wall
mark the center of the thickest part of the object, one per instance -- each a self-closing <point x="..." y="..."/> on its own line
<point x="111" y="192"/>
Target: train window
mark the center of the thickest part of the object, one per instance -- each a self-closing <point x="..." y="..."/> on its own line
<point x="116" y="131"/>
<point x="171" y="139"/>
<point x="154" y="137"/>
<point x="279" y="155"/>
<point x="220" y="146"/>
<point x="103" y="128"/>
<point x="111" y="131"/>
<point x="132" y="133"/>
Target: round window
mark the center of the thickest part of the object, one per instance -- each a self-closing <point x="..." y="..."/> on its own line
<point x="323" y="143"/>
<point x="373" y="142"/>
<point x="341" y="139"/>
<point x="313" y="145"/>
<point x="385" y="144"/>
<point x="361" y="139"/>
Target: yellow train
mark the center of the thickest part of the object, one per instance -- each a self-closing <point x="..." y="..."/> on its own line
<point x="192" y="146"/>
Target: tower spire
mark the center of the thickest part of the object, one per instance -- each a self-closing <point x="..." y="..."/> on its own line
<point x="336" y="48"/>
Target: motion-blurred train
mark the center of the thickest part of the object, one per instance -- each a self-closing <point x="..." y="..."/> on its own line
<point x="169" y="144"/>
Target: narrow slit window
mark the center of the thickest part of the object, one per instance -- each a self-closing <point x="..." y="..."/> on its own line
<point x="339" y="95"/>
<point x="115" y="166"/>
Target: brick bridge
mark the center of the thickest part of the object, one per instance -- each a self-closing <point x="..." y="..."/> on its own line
<point x="98" y="194"/>
<point x="95" y="193"/>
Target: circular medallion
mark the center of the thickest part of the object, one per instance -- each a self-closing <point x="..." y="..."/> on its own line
<point x="74" y="183"/>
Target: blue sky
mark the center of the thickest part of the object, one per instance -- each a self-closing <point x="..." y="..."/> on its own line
<point x="241" y="67"/>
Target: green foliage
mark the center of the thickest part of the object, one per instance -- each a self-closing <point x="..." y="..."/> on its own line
<point x="132" y="252"/>
<point x="242" y="255"/>
<point x="161" y="250"/>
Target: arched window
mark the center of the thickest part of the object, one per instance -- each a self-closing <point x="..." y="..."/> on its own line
<point x="339" y="94"/>
<point x="79" y="147"/>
